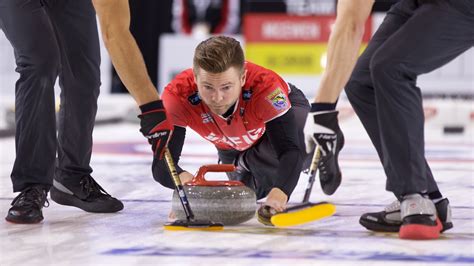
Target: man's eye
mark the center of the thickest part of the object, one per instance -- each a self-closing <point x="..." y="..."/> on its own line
<point x="208" y="87"/>
<point x="226" y="88"/>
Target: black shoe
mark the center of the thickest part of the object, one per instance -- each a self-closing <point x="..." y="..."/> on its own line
<point x="87" y="195"/>
<point x="444" y="214"/>
<point x="330" y="140"/>
<point x="390" y="220"/>
<point x="27" y="206"/>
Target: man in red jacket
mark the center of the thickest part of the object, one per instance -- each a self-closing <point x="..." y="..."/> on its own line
<point x="252" y="116"/>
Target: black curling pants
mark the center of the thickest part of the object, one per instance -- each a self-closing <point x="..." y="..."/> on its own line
<point x="53" y="38"/>
<point x="262" y="158"/>
<point x="416" y="37"/>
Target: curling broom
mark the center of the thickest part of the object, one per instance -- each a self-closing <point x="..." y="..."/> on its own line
<point x="190" y="223"/>
<point x="306" y="211"/>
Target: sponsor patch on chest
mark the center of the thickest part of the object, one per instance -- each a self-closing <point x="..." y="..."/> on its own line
<point x="206" y="118"/>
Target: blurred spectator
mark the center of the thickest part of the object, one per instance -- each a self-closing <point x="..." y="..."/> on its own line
<point x="265" y="6"/>
<point x="311" y="7"/>
<point x="305" y="7"/>
<point x="202" y="17"/>
<point x="151" y="18"/>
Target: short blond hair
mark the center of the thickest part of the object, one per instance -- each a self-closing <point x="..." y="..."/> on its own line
<point x="217" y="54"/>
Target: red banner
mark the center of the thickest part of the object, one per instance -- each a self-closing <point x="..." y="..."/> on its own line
<point x="260" y="28"/>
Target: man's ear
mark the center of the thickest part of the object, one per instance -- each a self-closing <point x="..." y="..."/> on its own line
<point x="243" y="78"/>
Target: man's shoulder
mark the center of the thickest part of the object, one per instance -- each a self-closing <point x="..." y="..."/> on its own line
<point x="254" y="68"/>
<point x="259" y="77"/>
<point x="183" y="84"/>
<point x="263" y="82"/>
<point x="265" y="91"/>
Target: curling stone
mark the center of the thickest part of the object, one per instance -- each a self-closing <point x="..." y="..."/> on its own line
<point x="226" y="202"/>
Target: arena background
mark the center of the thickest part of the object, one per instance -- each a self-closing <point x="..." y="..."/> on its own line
<point x="290" y="37"/>
<point x="291" y="42"/>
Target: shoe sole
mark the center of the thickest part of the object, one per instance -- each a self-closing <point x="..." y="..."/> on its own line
<point x="420" y="232"/>
<point x="70" y="200"/>
<point x="16" y="221"/>
<point x="376" y="227"/>
<point x="372" y="226"/>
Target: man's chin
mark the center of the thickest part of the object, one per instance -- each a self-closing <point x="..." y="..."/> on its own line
<point x="218" y="111"/>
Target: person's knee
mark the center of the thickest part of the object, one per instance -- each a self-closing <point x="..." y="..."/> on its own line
<point x="359" y="80"/>
<point x="84" y="81"/>
<point x="380" y="65"/>
<point x="40" y="64"/>
<point x="354" y="91"/>
<point x="385" y="68"/>
<point x="88" y="80"/>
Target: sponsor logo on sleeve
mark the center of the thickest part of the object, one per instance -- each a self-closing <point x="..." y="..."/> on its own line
<point x="278" y="99"/>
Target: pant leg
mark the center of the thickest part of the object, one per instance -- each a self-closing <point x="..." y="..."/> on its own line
<point x="241" y="173"/>
<point x="75" y="25"/>
<point x="301" y="109"/>
<point x="436" y="33"/>
<point x="262" y="160"/>
<point x="27" y="27"/>
<point x="360" y="89"/>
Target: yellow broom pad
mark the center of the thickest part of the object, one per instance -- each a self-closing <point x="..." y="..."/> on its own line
<point x="184" y="228"/>
<point x="306" y="215"/>
<point x="193" y="225"/>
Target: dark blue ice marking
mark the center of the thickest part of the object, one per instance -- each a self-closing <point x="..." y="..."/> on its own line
<point x="287" y="254"/>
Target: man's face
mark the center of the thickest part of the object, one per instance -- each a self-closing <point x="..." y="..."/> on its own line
<point x="220" y="91"/>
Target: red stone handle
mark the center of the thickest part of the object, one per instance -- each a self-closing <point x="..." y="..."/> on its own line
<point x="199" y="179"/>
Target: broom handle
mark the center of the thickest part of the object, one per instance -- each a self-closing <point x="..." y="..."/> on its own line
<point x="178" y="186"/>
<point x="312" y="173"/>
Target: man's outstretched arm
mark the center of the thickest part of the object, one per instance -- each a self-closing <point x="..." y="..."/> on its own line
<point x="343" y="47"/>
<point x="114" y="19"/>
<point x="322" y="125"/>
